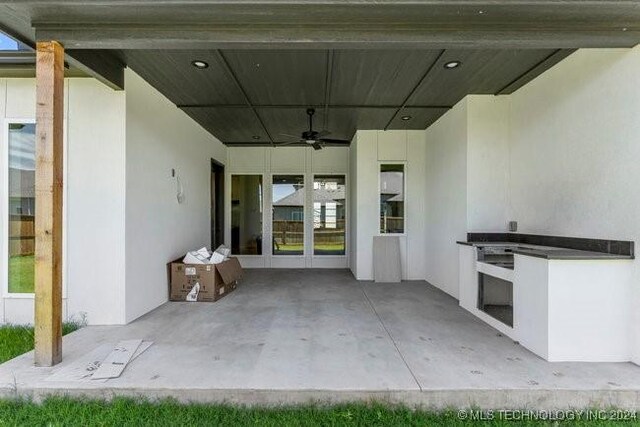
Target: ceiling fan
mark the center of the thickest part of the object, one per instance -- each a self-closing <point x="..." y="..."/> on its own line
<point x="315" y="139"/>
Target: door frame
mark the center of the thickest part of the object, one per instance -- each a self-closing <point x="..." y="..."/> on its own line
<point x="217" y="190"/>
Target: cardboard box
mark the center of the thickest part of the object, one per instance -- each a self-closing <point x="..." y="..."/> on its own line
<point x="216" y="280"/>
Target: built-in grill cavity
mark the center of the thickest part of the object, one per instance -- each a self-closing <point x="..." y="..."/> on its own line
<point x="500" y="256"/>
<point x="495" y="297"/>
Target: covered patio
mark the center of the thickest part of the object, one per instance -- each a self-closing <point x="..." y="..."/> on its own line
<point x="292" y="336"/>
<point x="159" y="128"/>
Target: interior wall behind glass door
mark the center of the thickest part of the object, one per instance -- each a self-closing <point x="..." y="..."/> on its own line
<point x="246" y="214"/>
<point x="329" y="215"/>
<point x="21" y="207"/>
<point x="288" y="198"/>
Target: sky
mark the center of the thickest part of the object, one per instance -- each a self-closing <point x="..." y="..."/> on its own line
<point x="280" y="191"/>
<point x="7" y="43"/>
<point x="22" y="148"/>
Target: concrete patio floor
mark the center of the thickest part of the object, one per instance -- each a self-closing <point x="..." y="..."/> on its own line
<point x="291" y="336"/>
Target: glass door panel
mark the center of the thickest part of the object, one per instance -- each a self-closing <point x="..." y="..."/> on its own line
<point x="329" y="215"/>
<point x="246" y="214"/>
<point x="288" y="214"/>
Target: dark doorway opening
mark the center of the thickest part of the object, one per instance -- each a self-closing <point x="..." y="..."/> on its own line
<point x="217" y="204"/>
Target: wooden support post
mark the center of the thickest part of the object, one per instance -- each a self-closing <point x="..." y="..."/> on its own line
<point x="49" y="168"/>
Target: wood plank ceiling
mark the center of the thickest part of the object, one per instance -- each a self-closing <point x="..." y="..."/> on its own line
<point x="253" y="97"/>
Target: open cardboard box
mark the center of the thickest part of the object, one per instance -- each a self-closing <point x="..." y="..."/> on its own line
<point x="216" y="280"/>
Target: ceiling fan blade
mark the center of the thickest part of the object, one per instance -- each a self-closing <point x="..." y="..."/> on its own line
<point x="280" y="144"/>
<point x="335" y="141"/>
<point x="317" y="146"/>
<point x="290" y="136"/>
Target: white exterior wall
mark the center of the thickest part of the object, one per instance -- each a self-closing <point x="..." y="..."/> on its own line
<point x="93" y="256"/>
<point x="268" y="161"/>
<point x="575" y="152"/>
<point x="446" y="197"/>
<point x="121" y="219"/>
<point x="370" y="148"/>
<point x="95" y="204"/>
<point x="487" y="162"/>
<point x="572" y="137"/>
<point x="160" y="137"/>
<point x="352" y="216"/>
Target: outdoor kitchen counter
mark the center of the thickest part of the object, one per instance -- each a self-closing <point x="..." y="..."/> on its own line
<point x="549" y="252"/>
<point x="567" y="304"/>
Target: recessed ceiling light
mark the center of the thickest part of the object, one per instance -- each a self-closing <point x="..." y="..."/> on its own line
<point x="452" y="64"/>
<point x="199" y="64"/>
<point x="405" y="118"/>
<point x="255" y="137"/>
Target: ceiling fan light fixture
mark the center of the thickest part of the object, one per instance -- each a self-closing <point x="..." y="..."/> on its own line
<point x="452" y="64"/>
<point x="200" y="64"/>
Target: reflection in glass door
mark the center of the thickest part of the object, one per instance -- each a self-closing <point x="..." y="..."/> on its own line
<point x="329" y="213"/>
<point x="288" y="214"/>
<point x="21" y="207"/>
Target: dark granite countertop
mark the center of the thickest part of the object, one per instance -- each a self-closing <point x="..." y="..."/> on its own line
<point x="550" y="252"/>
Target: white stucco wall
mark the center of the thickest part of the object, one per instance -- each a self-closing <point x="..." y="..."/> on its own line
<point x="370" y="148"/>
<point x="446" y="197"/>
<point x="352" y="216"/>
<point x="95" y="204"/>
<point x="487" y="162"/>
<point x="575" y="152"/>
<point x="122" y="220"/>
<point x="93" y="260"/>
<point x="160" y="137"/>
<point x="571" y="139"/>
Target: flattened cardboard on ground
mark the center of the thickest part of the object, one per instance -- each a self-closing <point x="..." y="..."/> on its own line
<point x="216" y="280"/>
<point x="83" y="368"/>
<point x="113" y="365"/>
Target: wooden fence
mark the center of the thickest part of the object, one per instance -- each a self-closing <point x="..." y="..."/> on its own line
<point x="292" y="232"/>
<point x="22" y="235"/>
<point x="391" y="223"/>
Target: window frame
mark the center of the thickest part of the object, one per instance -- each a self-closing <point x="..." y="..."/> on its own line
<point x="4" y="252"/>
<point x="406" y="198"/>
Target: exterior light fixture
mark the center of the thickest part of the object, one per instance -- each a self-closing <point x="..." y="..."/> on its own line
<point x="406" y="118"/>
<point x="199" y="64"/>
<point x="452" y="64"/>
<point x="255" y="137"/>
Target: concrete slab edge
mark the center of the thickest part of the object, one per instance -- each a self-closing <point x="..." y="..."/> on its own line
<point x="427" y="399"/>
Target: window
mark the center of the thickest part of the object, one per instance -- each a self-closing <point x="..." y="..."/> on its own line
<point x="288" y="214"/>
<point x="392" y="198"/>
<point x="329" y="213"/>
<point x="246" y="214"/>
<point x="21" y="207"/>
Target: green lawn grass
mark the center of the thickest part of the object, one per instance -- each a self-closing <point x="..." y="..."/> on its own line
<point x="129" y="412"/>
<point x="16" y="340"/>
<point x="329" y="246"/>
<point x="283" y="249"/>
<point x="21" y="271"/>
